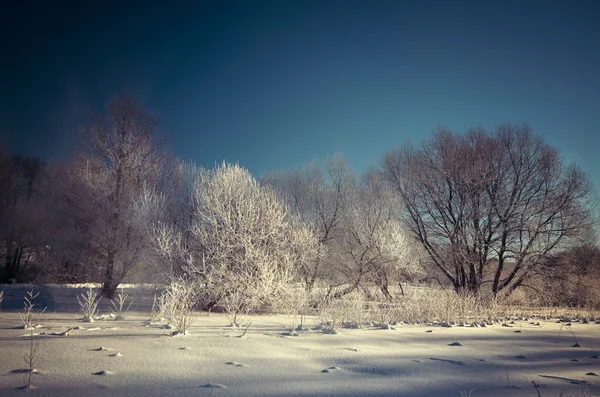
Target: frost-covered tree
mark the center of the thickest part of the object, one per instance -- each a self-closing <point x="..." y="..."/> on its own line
<point x="360" y="240"/>
<point x="374" y="247"/>
<point x="166" y="217"/>
<point x="238" y="240"/>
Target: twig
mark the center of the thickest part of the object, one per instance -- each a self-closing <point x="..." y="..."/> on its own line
<point x="31" y="357"/>
<point x="246" y="330"/>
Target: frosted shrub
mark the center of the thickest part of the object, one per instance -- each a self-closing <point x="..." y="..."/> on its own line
<point x="237" y="307"/>
<point x="331" y="314"/>
<point x="156" y="313"/>
<point x="28" y="317"/>
<point x="490" y="309"/>
<point x="119" y="307"/>
<point x="354" y="305"/>
<point x="88" y="304"/>
<point x="177" y="306"/>
<point x="383" y="313"/>
<point x="295" y="303"/>
<point x="424" y="305"/>
<point x="469" y="308"/>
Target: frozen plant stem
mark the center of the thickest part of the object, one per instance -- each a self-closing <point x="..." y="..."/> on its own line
<point x="119" y="307"/>
<point x="155" y="312"/>
<point x="571" y="332"/>
<point x="537" y="387"/>
<point x="31" y="357"/>
<point x="177" y="304"/>
<point x="88" y="305"/>
<point x="574" y="336"/>
<point x="467" y="393"/>
<point x="246" y="330"/>
<point x="27" y="313"/>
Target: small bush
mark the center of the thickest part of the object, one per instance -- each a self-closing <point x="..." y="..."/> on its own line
<point x="88" y="304"/>
<point x="354" y="305"/>
<point x="237" y="306"/>
<point x="383" y="312"/>
<point x="296" y="304"/>
<point x="176" y="304"/>
<point x="331" y="313"/>
<point x="29" y="318"/>
<point x="119" y="307"/>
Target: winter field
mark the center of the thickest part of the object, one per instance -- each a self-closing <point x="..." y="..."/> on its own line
<point x="133" y="357"/>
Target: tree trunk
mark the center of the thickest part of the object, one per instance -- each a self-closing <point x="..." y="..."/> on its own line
<point x="475" y="279"/>
<point x="12" y="262"/>
<point x="110" y="285"/>
<point x="386" y="292"/>
<point x="467" y="282"/>
<point x="347" y="291"/>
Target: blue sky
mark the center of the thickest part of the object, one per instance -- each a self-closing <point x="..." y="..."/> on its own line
<point x="274" y="84"/>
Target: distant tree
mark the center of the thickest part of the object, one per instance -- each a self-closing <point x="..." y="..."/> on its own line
<point x="361" y="243"/>
<point x="374" y="248"/>
<point x="122" y="155"/>
<point x="322" y="196"/>
<point x="570" y="277"/>
<point x="23" y="227"/>
<point x="502" y="199"/>
<point x="69" y="256"/>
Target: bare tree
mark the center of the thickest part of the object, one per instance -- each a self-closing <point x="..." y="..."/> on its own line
<point x="122" y="155"/>
<point x="489" y="203"/>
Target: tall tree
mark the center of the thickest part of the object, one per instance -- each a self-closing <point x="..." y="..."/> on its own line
<point x="489" y="203"/>
<point x="122" y="154"/>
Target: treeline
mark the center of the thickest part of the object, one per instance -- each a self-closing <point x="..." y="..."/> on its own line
<point x="484" y="212"/>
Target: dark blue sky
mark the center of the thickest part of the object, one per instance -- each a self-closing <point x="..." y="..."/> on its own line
<point x="273" y="84"/>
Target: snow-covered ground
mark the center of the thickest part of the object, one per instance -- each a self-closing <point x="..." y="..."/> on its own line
<point x="132" y="358"/>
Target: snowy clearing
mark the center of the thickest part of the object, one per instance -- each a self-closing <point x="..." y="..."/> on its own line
<point x="133" y="358"/>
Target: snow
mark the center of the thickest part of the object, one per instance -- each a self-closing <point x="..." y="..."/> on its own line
<point x="134" y="358"/>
